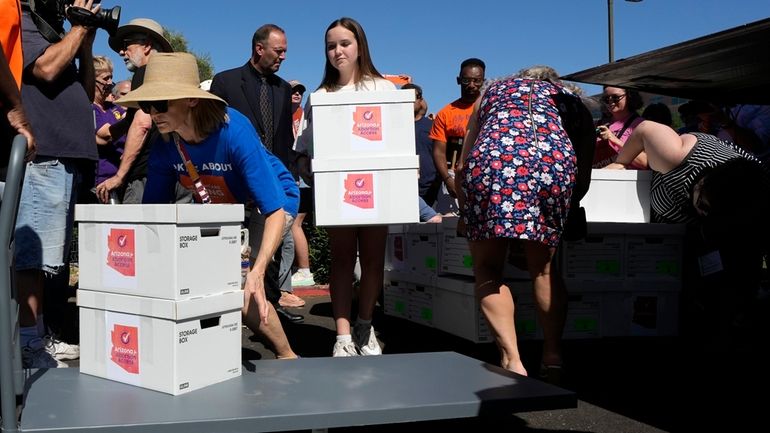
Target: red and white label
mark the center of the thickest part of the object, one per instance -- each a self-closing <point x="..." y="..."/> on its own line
<point x="125" y="348"/>
<point x="121" y="251"/>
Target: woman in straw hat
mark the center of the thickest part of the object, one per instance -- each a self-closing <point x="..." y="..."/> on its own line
<point x="215" y="151"/>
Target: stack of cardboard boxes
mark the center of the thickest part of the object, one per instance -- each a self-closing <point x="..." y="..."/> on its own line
<point x="159" y="294"/>
<point x="364" y="162"/>
<point x="623" y="279"/>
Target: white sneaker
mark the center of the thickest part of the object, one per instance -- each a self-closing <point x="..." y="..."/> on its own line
<point x="40" y="358"/>
<point x="302" y="279"/>
<point x="344" y="349"/>
<point x="59" y="349"/>
<point x="366" y="341"/>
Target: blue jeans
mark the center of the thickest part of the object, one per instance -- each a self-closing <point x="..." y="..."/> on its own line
<point x="46" y="212"/>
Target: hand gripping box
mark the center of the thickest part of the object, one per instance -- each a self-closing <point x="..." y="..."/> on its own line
<point x="363" y="124"/>
<point x="366" y="191"/>
<point x="160" y="251"/>
<point x="618" y="196"/>
<point x="168" y="346"/>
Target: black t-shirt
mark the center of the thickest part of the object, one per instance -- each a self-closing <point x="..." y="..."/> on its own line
<point x="60" y="113"/>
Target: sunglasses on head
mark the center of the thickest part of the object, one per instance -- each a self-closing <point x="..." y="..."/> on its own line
<point x="159" y="106"/>
<point x="612" y="99"/>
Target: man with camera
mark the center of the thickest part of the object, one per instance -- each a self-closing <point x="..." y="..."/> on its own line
<point x="57" y="99"/>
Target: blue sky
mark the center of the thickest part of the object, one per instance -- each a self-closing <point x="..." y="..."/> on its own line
<point x="429" y="39"/>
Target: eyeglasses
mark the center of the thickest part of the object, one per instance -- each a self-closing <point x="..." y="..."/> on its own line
<point x="297" y="91"/>
<point x="612" y="99"/>
<point x="465" y="81"/>
<point x="129" y="42"/>
<point x="159" y="106"/>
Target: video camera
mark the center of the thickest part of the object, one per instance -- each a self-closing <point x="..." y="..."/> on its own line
<point x="54" y="12"/>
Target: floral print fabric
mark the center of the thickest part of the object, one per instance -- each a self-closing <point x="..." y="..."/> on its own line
<point x="519" y="175"/>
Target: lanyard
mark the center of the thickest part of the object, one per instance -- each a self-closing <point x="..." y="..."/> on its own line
<point x="200" y="189"/>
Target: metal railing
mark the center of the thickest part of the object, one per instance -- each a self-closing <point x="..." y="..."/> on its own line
<point x="11" y="373"/>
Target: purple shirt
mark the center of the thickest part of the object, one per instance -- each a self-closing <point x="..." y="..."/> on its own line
<point x="109" y="154"/>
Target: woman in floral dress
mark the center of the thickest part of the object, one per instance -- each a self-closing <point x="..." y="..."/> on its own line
<point x="516" y="182"/>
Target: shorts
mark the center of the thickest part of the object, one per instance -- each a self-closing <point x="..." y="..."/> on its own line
<point x="305" y="200"/>
<point x="46" y="215"/>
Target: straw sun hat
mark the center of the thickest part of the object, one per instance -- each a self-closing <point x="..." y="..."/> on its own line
<point x="168" y="76"/>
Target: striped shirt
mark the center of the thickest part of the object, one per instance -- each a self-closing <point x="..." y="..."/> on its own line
<point x="671" y="193"/>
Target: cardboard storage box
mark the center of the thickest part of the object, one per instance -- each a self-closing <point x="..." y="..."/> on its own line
<point x="409" y="296"/>
<point x="160" y="251"/>
<point x="584" y="316"/>
<point x="364" y="124"/>
<point x="374" y="191"/>
<point x="618" y="196"/>
<point x="645" y="308"/>
<point x="168" y="346"/>
<point x="598" y="256"/>
<point x="397" y="248"/>
<point x="424" y="244"/>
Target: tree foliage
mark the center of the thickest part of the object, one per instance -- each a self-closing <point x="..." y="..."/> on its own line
<point x="179" y="43"/>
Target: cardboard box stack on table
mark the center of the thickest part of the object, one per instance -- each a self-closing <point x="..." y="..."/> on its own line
<point x="623" y="279"/>
<point x="160" y="294"/>
<point x="364" y="160"/>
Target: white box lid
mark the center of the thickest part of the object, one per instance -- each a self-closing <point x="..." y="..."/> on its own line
<point x="608" y="174"/>
<point x="160" y="213"/>
<point x="361" y="98"/>
<point x="161" y="308"/>
<point x="394" y="162"/>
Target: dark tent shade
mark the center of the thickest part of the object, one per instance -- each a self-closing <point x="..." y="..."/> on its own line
<point x="730" y="67"/>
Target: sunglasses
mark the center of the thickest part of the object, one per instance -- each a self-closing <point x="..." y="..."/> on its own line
<point x="159" y="106"/>
<point x="128" y="42"/>
<point x="612" y="99"/>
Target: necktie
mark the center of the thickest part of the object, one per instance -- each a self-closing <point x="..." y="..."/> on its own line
<point x="267" y="113"/>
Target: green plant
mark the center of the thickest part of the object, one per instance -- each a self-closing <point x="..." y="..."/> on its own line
<point x="318" y="244"/>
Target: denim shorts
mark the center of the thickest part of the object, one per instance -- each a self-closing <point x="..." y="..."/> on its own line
<point x="45" y="219"/>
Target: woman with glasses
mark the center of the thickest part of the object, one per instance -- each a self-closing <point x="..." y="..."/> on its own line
<point x="106" y="114"/>
<point x="621" y="107"/>
<point x="214" y="151"/>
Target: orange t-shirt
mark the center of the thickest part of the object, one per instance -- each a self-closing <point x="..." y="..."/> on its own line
<point x="10" y="36"/>
<point x="450" y="125"/>
<point x="451" y="121"/>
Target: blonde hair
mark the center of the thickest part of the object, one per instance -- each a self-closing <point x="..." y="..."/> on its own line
<point x="102" y="63"/>
<point x="540" y="72"/>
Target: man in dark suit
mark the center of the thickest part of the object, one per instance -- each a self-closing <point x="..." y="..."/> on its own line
<point x="255" y="90"/>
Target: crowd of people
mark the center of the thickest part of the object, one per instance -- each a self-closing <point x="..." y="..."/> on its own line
<point x="508" y="150"/>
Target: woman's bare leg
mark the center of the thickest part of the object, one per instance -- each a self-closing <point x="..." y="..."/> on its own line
<point x="496" y="299"/>
<point x="371" y="245"/>
<point x="343" y="243"/>
<point x="301" y="251"/>
<point x="550" y="298"/>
